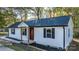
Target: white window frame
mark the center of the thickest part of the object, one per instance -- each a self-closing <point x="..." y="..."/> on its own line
<point x="48" y="33"/>
<point x="12" y="29"/>
<point x="25" y="32"/>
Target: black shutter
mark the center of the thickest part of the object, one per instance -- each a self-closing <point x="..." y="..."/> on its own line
<point x="44" y="32"/>
<point x="14" y="30"/>
<point x="53" y="32"/>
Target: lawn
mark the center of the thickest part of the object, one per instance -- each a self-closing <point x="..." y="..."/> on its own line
<point x="22" y="47"/>
<point x="18" y="46"/>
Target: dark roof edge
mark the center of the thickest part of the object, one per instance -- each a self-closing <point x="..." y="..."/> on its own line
<point x="51" y="26"/>
<point x="44" y="26"/>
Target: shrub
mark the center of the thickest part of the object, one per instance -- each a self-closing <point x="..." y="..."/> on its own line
<point x="76" y="35"/>
<point x="3" y="33"/>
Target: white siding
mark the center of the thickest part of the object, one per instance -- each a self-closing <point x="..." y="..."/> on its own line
<point x="57" y="42"/>
<point x="68" y="39"/>
<point x="17" y="34"/>
<point x="25" y="37"/>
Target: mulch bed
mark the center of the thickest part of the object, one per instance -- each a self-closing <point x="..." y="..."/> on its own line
<point x="48" y="48"/>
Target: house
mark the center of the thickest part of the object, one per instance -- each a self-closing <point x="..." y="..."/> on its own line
<point x="55" y="32"/>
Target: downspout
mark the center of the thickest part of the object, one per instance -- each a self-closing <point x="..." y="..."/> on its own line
<point x="21" y="34"/>
<point x="28" y="35"/>
<point x="64" y="38"/>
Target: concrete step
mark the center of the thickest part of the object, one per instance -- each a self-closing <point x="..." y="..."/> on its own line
<point x="31" y="41"/>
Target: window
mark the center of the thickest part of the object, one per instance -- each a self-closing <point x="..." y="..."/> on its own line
<point x="49" y="33"/>
<point x="68" y="32"/>
<point x="13" y="31"/>
<point x="24" y="31"/>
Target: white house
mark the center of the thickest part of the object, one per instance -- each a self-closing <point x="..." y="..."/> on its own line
<point x="55" y="32"/>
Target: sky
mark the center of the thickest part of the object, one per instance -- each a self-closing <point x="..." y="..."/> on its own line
<point x="39" y="3"/>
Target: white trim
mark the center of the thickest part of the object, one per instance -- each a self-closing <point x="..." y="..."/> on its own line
<point x="48" y="33"/>
<point x="22" y="24"/>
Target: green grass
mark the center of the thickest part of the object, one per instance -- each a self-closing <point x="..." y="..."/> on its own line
<point x="15" y="47"/>
<point x="18" y="46"/>
<point x="21" y="47"/>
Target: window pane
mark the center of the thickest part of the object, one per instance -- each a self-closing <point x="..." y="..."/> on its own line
<point x="13" y="31"/>
<point x="48" y="30"/>
<point x="48" y="35"/>
<point x="24" y="31"/>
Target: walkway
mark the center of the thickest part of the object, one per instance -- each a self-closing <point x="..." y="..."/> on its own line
<point x="4" y="40"/>
<point x="8" y="39"/>
<point x="2" y="48"/>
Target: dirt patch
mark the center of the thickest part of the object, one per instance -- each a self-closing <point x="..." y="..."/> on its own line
<point x="74" y="46"/>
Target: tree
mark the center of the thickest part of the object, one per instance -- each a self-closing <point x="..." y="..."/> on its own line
<point x="72" y="11"/>
<point x="22" y="12"/>
<point x="50" y="11"/>
<point x="2" y="21"/>
<point x="9" y="16"/>
<point x="37" y="11"/>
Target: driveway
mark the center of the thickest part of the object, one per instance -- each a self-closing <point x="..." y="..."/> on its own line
<point x="3" y="48"/>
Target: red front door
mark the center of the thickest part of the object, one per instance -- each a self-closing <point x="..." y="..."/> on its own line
<point x="31" y="33"/>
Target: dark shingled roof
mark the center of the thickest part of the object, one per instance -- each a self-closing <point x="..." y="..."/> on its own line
<point x="55" y="21"/>
<point x="14" y="25"/>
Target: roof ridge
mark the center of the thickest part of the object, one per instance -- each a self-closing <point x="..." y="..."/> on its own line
<point x="61" y="20"/>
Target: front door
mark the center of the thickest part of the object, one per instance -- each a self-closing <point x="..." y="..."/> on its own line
<point x="31" y="33"/>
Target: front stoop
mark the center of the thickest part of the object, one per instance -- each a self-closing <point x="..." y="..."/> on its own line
<point x="38" y="48"/>
<point x="31" y="41"/>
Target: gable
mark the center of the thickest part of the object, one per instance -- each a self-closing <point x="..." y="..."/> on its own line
<point x="70" y="22"/>
<point x="22" y="24"/>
